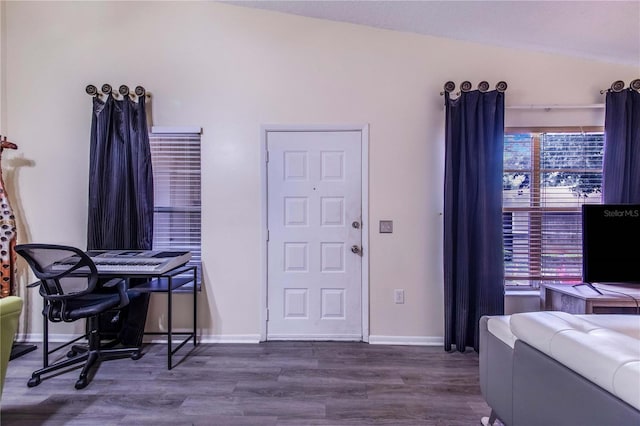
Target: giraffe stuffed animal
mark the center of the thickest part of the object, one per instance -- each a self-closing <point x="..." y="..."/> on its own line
<point x="8" y="233"/>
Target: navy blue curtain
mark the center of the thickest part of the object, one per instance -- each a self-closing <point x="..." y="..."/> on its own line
<point x="120" y="176"/>
<point x="473" y="245"/>
<point x="621" y="169"/>
<point x="121" y="198"/>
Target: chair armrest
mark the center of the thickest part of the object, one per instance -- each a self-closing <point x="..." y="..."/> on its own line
<point x="122" y="285"/>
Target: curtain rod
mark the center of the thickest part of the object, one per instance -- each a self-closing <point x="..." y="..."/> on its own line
<point x="106" y="89"/>
<point x="466" y="86"/>
<point x="618" y="86"/>
<point x="550" y="107"/>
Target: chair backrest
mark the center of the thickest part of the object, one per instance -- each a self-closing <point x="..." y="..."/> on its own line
<point x="64" y="272"/>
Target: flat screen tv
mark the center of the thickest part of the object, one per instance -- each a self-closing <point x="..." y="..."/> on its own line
<point x="611" y="244"/>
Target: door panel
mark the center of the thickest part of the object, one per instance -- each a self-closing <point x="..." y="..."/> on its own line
<point x="314" y="279"/>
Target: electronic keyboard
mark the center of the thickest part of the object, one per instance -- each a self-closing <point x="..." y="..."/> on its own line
<point x="130" y="262"/>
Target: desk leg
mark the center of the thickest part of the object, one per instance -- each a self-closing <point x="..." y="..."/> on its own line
<point x="195" y="303"/>
<point x="169" y="325"/>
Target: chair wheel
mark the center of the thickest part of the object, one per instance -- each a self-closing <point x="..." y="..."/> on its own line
<point x="81" y="383"/>
<point x="34" y="381"/>
<point x="136" y="355"/>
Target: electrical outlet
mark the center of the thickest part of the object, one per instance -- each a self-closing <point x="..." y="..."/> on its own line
<point x="398" y="295"/>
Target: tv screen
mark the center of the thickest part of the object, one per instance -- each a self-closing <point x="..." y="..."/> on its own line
<point x="611" y="243"/>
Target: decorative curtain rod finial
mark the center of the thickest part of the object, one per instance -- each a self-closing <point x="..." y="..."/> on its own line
<point x="449" y="87"/>
<point x="91" y="90"/>
<point x="617" y="86"/>
<point x="501" y="86"/>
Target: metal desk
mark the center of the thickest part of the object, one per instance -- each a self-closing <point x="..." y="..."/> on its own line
<point x="169" y="282"/>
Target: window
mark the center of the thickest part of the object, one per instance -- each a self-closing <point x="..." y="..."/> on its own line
<point x="176" y="180"/>
<point x="548" y="175"/>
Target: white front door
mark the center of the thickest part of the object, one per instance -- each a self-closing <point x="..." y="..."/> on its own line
<point x="314" y="220"/>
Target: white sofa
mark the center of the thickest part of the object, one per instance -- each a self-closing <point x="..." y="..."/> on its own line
<point x="555" y="368"/>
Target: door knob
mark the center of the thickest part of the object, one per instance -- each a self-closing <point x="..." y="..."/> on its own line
<point x="356" y="224"/>
<point x="355" y="249"/>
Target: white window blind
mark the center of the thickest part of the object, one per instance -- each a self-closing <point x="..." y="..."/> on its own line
<point x="547" y="177"/>
<point x="177" y="188"/>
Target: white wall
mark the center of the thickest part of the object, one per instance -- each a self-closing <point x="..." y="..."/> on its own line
<point x="229" y="70"/>
<point x="3" y="40"/>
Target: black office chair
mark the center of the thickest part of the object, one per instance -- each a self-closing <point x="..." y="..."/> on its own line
<point x="69" y="284"/>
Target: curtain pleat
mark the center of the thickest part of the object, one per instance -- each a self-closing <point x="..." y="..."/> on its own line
<point x="473" y="245"/>
<point x="621" y="168"/>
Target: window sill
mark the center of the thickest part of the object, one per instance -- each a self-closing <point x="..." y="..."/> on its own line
<point x="523" y="293"/>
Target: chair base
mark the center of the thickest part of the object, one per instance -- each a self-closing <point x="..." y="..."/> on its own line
<point x="90" y="358"/>
<point x="91" y="355"/>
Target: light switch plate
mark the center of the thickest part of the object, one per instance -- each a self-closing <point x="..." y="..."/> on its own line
<point x="386" y="226"/>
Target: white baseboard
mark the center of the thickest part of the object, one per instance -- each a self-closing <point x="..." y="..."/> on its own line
<point x="317" y="337"/>
<point x="34" y="338"/>
<point x="407" y="340"/>
<point x="251" y="338"/>
<point x="223" y="338"/>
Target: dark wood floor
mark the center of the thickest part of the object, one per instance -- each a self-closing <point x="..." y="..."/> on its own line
<point x="276" y="383"/>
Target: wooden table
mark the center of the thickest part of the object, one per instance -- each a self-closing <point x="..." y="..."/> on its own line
<point x="615" y="299"/>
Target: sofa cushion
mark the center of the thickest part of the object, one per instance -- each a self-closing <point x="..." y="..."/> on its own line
<point x="539" y="328"/>
<point x="602" y="355"/>
<point x="625" y="324"/>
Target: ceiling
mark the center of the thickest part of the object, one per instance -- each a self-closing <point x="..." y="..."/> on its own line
<point x="602" y="30"/>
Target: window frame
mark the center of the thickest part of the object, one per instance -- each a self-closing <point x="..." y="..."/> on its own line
<point x="536" y="209"/>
